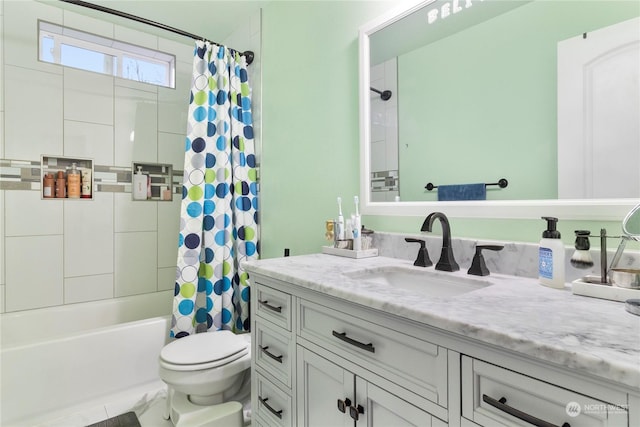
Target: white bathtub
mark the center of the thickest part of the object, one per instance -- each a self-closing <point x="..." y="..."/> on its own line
<point x="61" y="357"/>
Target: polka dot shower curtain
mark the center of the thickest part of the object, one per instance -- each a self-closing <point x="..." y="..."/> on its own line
<point x="218" y="224"/>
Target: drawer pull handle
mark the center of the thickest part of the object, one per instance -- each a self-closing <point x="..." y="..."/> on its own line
<point x="344" y="404"/>
<point x="266" y="304"/>
<point x="271" y="355"/>
<point x="502" y="405"/>
<point x="343" y="336"/>
<point x="266" y="405"/>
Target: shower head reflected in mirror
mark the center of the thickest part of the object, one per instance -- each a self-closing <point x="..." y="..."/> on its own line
<point x="385" y="95"/>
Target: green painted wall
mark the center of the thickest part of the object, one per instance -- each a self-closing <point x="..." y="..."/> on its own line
<point x="310" y="148"/>
<point x="310" y="138"/>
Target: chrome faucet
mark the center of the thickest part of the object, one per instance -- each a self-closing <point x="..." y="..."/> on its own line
<point x="447" y="262"/>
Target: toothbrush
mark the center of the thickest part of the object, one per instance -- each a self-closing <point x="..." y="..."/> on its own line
<point x="340" y="224"/>
<point x="357" y="242"/>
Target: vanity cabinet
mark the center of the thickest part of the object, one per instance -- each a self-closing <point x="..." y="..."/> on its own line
<point x="321" y="360"/>
<point x="330" y="395"/>
<point x="495" y="396"/>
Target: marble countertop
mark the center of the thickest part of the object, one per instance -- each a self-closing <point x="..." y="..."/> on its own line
<point x="585" y="334"/>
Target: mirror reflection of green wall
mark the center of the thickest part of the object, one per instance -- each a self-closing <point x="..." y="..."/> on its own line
<point x="480" y="105"/>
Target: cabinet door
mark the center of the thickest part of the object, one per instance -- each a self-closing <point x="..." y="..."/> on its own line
<point x="383" y="409"/>
<point x="321" y="384"/>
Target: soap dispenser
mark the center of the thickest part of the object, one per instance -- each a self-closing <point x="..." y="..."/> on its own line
<point x="139" y="189"/>
<point x="551" y="256"/>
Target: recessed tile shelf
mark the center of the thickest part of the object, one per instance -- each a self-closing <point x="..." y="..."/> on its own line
<point x="55" y="164"/>
<point x="161" y="175"/>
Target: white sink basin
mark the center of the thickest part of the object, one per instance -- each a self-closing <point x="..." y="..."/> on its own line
<point x="421" y="281"/>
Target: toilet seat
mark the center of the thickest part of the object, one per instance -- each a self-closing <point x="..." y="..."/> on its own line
<point x="203" y="351"/>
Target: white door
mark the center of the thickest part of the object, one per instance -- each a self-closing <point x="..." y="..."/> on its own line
<point x="599" y="113"/>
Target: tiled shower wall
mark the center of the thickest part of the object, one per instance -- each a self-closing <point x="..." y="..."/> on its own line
<point x="55" y="252"/>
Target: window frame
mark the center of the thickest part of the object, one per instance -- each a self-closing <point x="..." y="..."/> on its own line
<point x="116" y="49"/>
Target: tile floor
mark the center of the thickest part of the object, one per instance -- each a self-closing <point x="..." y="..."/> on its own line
<point x="148" y="402"/>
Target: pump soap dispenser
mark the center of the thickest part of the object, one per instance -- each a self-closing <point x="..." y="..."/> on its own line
<point x="139" y="189"/>
<point x="551" y="256"/>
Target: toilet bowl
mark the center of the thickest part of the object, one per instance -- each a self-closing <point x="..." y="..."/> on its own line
<point x="206" y="374"/>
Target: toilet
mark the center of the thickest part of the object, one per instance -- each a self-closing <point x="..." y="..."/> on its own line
<point x="208" y="376"/>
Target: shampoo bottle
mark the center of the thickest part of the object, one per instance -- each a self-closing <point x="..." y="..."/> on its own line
<point x="139" y="189"/>
<point x="551" y="256"/>
<point x="49" y="186"/>
<point x="61" y="186"/>
<point x="73" y="182"/>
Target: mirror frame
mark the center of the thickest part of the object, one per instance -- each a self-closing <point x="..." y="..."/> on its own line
<point x="577" y="209"/>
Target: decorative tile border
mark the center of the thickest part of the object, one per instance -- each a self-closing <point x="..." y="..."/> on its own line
<point x="385" y="180"/>
<point x="25" y="175"/>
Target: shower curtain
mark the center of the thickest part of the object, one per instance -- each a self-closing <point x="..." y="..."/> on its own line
<point x="218" y="217"/>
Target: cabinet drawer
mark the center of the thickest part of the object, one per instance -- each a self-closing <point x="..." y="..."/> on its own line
<point x="493" y="396"/>
<point x="416" y="365"/>
<point x="273" y="405"/>
<point x="274" y="306"/>
<point x="273" y="351"/>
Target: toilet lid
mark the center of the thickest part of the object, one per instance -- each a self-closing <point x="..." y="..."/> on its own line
<point x="203" y="348"/>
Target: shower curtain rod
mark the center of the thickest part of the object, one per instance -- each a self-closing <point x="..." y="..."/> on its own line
<point x="248" y="54"/>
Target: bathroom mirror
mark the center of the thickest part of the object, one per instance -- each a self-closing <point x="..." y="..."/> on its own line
<point x="510" y="129"/>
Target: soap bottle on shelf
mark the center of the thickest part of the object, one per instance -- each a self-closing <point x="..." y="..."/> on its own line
<point x="48" y="186"/>
<point x="86" y="187"/>
<point x="166" y="194"/>
<point x="551" y="256"/>
<point x="73" y="182"/>
<point x="139" y="189"/>
<point x="61" y="186"/>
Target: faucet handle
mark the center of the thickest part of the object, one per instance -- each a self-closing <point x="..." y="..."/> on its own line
<point x="478" y="266"/>
<point x="422" y="260"/>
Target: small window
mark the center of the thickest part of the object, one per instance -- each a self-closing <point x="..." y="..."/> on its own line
<point x="77" y="49"/>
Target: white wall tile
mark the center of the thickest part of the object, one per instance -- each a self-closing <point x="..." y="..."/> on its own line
<point x="135" y="215"/>
<point x="173" y="104"/>
<point x="2" y="236"/>
<point x="34" y="272"/>
<point x="21" y="33"/>
<point x="136" y="114"/>
<point x="1" y="71"/>
<point x="87" y="24"/>
<point x="88" y="238"/>
<point x="33" y="113"/>
<point x="171" y="149"/>
<point x="2" y="298"/>
<point x="168" y="230"/>
<point x="89" y="140"/>
<point x="88" y="97"/>
<point x="166" y="278"/>
<point x="88" y="288"/>
<point x="2" y="134"/>
<point x="132" y="84"/>
<point x="182" y="51"/>
<point x="27" y="214"/>
<point x="136" y="263"/>
<point x="136" y="37"/>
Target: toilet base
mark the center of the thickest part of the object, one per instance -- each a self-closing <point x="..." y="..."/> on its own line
<point x="183" y="413"/>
